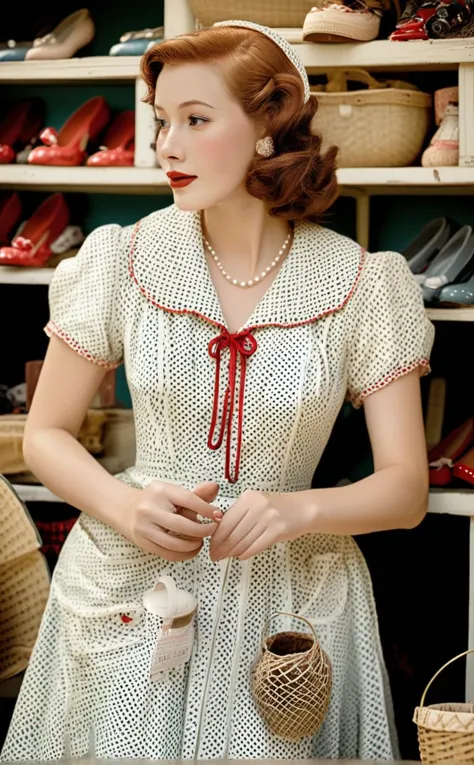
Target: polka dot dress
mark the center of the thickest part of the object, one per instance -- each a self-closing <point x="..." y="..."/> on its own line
<point x="335" y="324"/>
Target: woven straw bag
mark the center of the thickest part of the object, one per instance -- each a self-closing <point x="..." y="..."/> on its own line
<point x="445" y="731"/>
<point x="291" y="682"/>
<point x="271" y="13"/>
<point x="24" y="582"/>
<point x="384" y="125"/>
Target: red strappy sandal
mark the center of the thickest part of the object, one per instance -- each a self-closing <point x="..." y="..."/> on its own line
<point x="68" y="147"/>
<point x="119" y="143"/>
<point x="10" y="214"/>
<point x="442" y="456"/>
<point x="33" y="246"/>
<point x="19" y="126"/>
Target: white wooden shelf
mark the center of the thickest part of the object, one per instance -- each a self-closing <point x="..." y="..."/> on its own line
<point x="316" y="57"/>
<point x="20" y="275"/>
<point x="35" y="493"/>
<point x="452" y="502"/>
<point x="111" y="180"/>
<point x="138" y="180"/>
<point x="451" y="314"/>
<point x="120" y="68"/>
<point x="407" y="180"/>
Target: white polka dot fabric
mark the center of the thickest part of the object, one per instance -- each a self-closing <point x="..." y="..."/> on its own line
<point x="335" y="323"/>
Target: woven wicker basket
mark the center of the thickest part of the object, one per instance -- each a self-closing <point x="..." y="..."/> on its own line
<point x="271" y="13"/>
<point x="291" y="682"/>
<point x="445" y="731"/>
<point x="384" y="125"/>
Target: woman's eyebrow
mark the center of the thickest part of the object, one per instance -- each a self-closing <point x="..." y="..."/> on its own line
<point x="187" y="103"/>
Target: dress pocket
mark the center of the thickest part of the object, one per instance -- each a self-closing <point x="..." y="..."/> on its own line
<point x="319" y="580"/>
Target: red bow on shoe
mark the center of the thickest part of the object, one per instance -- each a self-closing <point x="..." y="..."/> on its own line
<point x="20" y="243"/>
<point x="49" y="136"/>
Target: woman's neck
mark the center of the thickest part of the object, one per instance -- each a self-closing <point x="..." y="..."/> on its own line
<point x="244" y="236"/>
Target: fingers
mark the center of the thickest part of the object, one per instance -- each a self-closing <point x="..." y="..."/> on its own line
<point x="182" y="498"/>
<point x="229" y="539"/>
<point x="159" y="537"/>
<point x="228" y="525"/>
<point x="245" y="543"/>
<point x="184" y="527"/>
<point x="170" y="555"/>
<point x="260" y="544"/>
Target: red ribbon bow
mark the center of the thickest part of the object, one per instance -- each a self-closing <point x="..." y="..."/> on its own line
<point x="243" y="345"/>
<point x="49" y="136"/>
<point x="20" y="243"/>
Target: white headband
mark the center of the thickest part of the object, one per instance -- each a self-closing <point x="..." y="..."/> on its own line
<point x="287" y="49"/>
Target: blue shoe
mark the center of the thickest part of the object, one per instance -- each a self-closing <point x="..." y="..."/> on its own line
<point x="458" y="295"/>
<point x="136" y="43"/>
<point x="15" y="53"/>
<point x="449" y="264"/>
<point x="423" y="248"/>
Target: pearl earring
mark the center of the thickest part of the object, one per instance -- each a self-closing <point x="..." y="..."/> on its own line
<point x="265" y="146"/>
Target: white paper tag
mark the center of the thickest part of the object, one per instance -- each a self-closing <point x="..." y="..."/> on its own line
<point x="173" y="649"/>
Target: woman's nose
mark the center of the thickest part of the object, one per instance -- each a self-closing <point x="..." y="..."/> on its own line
<point x="171" y="147"/>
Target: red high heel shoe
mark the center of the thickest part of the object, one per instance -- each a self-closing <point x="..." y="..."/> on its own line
<point x="68" y="147"/>
<point x="33" y="246"/>
<point x="464" y="468"/>
<point x="442" y="456"/>
<point x="10" y="214"/>
<point x="19" y="126"/>
<point x="119" y="146"/>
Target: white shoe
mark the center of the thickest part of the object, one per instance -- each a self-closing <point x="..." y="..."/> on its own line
<point x="66" y="39"/>
<point x="334" y="22"/>
<point x="443" y="150"/>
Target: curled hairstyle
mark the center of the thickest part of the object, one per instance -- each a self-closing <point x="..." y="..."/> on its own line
<point x="299" y="181"/>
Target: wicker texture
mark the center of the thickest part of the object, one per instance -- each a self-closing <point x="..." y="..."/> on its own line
<point x="271" y="13"/>
<point x="24" y="583"/>
<point x="291" y="684"/>
<point x="445" y="731"/>
<point x="384" y="125"/>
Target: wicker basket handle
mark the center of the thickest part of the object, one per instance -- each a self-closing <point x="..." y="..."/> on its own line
<point x="338" y="79"/>
<point x="455" y="658"/>
<point x="292" y="616"/>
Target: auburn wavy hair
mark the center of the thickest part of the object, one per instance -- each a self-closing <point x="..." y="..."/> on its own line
<point x="299" y="181"/>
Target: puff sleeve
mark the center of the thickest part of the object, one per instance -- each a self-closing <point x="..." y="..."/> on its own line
<point x="84" y="300"/>
<point x="392" y="334"/>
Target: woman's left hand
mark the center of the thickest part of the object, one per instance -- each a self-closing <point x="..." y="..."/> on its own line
<point x="257" y="521"/>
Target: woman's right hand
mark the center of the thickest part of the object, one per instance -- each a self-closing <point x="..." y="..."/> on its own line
<point x="152" y="515"/>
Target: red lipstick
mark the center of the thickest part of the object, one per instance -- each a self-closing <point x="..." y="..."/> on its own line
<point x="180" y="180"/>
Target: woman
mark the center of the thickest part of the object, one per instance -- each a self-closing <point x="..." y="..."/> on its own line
<point x="243" y="326"/>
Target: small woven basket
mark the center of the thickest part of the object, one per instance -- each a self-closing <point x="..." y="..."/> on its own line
<point x="382" y="125"/>
<point x="291" y="682"/>
<point x="270" y="13"/>
<point x="445" y="731"/>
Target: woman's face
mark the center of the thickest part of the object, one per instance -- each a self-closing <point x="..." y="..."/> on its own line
<point x="205" y="135"/>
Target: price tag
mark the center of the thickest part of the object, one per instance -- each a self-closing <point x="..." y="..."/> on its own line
<point x="174" y="641"/>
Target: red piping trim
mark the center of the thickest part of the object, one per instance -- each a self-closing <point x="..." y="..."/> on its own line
<point x="53" y="329"/>
<point x="358" y="399"/>
<point x="148" y="296"/>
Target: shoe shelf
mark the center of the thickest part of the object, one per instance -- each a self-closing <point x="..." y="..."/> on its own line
<point x="99" y="68"/>
<point x="144" y="180"/>
<point x="316" y="57"/>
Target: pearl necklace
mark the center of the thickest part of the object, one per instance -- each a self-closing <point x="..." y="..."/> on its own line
<point x="256" y="279"/>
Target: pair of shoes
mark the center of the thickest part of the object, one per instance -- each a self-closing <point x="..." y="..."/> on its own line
<point x="45" y="234"/>
<point x="435" y="19"/>
<point x="73" y="33"/>
<point x="67" y="147"/>
<point x="453" y="457"/>
<point x="18" y="127"/>
<point x="442" y="258"/>
<point x="137" y="43"/>
<point x="64" y="41"/>
<point x="341" y="21"/>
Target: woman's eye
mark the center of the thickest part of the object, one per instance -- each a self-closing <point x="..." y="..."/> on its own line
<point x="160" y="123"/>
<point x="195" y="121"/>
